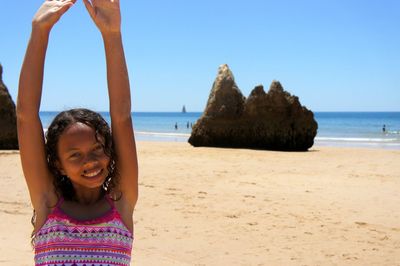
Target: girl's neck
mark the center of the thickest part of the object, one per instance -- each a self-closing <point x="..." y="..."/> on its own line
<point x="88" y="197"/>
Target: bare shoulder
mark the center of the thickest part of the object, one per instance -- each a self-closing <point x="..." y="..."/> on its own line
<point x="43" y="210"/>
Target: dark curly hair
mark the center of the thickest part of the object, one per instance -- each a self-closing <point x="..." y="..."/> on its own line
<point x="61" y="122"/>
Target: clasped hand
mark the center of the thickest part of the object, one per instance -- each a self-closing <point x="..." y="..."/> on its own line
<point x="104" y="13"/>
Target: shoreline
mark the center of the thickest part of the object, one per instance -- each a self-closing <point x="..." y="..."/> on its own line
<point x="357" y="143"/>
<point x="219" y="206"/>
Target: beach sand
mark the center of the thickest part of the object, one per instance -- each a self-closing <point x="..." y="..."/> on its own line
<point x="208" y="206"/>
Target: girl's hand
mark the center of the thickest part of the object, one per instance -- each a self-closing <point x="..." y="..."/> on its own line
<point x="105" y="14"/>
<point x="50" y="12"/>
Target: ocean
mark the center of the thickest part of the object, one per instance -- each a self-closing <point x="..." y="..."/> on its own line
<point x="343" y="129"/>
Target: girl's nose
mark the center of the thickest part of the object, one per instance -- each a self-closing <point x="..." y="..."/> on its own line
<point x="90" y="161"/>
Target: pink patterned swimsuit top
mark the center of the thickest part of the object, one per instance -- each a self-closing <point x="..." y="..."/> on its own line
<point x="64" y="241"/>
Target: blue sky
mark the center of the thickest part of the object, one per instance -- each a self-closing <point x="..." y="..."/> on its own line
<point x="336" y="55"/>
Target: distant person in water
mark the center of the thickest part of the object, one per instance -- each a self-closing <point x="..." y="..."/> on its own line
<point x="384" y="128"/>
<point x="176" y="126"/>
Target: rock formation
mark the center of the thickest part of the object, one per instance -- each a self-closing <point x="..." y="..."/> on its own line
<point x="274" y="120"/>
<point x="8" y="122"/>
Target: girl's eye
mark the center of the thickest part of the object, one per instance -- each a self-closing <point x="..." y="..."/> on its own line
<point x="74" y="155"/>
<point x="98" y="148"/>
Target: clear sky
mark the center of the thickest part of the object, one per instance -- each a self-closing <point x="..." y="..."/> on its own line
<point x="336" y="55"/>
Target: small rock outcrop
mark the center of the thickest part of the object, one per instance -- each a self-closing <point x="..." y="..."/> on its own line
<point x="8" y="121"/>
<point x="273" y="121"/>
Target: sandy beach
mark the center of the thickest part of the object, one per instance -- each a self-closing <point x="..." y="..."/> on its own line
<point x="208" y="206"/>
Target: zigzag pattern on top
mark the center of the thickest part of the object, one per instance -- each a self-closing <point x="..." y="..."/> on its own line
<point x="64" y="241"/>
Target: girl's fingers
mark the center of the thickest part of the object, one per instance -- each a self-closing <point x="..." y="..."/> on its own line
<point x="94" y="2"/>
<point x="105" y="14"/>
<point x="65" y="7"/>
<point x="89" y="8"/>
<point x="66" y="4"/>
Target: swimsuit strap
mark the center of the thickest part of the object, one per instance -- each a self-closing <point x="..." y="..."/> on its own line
<point x="59" y="202"/>
<point x="110" y="200"/>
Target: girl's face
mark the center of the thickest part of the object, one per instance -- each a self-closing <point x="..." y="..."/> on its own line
<point x="82" y="157"/>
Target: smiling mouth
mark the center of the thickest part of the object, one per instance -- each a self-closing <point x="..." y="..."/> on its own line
<point x="94" y="173"/>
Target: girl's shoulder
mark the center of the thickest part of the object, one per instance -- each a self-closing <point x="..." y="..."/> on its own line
<point x="43" y="210"/>
<point x="125" y="211"/>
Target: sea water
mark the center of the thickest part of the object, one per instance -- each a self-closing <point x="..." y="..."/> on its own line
<point x="354" y="129"/>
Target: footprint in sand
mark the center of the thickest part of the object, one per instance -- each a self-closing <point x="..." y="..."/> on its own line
<point x="349" y="257"/>
<point x="361" y="223"/>
<point x="384" y="238"/>
<point x="172" y="189"/>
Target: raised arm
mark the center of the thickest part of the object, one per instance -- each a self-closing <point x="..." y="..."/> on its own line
<point x="107" y="17"/>
<point x="30" y="131"/>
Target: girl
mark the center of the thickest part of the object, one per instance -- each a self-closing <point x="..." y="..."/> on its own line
<point x="83" y="181"/>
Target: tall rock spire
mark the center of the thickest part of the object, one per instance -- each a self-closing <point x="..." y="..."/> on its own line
<point x="225" y="100"/>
